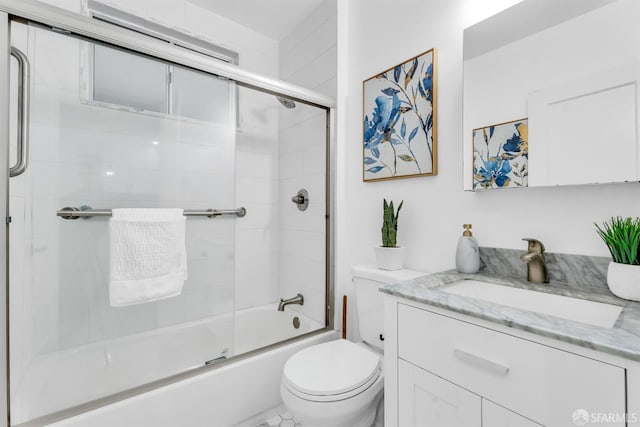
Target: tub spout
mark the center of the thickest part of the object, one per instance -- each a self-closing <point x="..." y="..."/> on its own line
<point x="298" y="299"/>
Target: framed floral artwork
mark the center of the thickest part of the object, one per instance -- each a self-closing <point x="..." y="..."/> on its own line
<point x="501" y="155"/>
<point x="399" y="120"/>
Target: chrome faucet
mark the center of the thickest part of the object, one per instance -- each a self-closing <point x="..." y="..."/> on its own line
<point x="534" y="258"/>
<point x="298" y="299"/>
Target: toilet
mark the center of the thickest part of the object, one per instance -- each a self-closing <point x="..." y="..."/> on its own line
<point x="340" y="383"/>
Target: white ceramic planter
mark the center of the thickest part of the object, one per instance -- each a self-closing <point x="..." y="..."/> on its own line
<point x="624" y="280"/>
<point x="390" y="258"/>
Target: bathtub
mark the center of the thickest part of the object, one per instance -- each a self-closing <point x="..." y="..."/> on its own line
<point x="261" y="326"/>
<point x="227" y="394"/>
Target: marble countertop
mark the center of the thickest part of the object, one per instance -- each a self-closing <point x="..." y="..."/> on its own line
<point x="622" y="340"/>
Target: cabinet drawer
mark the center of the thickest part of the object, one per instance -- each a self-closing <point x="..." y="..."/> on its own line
<point x="542" y="383"/>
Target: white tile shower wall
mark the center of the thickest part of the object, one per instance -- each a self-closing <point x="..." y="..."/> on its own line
<point x="257" y="138"/>
<point x="78" y="158"/>
<point x="257" y="190"/>
<point x="307" y="58"/>
<point x="257" y="161"/>
<point x="91" y="155"/>
<point x="82" y="154"/>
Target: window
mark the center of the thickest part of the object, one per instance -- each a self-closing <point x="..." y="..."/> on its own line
<point x="188" y="99"/>
<point x="132" y="81"/>
<point x="129" y="80"/>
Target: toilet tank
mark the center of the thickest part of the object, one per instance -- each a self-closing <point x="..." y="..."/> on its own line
<point x="369" y="301"/>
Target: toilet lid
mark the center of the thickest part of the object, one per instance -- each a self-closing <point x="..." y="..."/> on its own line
<point x="331" y="368"/>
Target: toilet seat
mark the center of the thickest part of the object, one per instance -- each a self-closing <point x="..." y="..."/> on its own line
<point x="331" y="371"/>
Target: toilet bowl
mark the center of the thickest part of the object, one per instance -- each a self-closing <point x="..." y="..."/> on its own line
<point x="340" y="383"/>
<point x="333" y="384"/>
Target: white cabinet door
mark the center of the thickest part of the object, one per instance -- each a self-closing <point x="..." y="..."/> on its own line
<point x="425" y="400"/>
<point x="496" y="416"/>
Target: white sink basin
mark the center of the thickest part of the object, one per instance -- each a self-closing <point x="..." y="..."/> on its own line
<point x="577" y="310"/>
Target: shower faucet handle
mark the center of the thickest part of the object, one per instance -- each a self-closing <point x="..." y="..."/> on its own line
<point x="301" y="199"/>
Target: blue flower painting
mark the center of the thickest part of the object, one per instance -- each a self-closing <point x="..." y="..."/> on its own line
<point x="399" y="120"/>
<point x="501" y="155"/>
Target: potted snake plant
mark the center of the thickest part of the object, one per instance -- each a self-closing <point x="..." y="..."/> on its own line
<point x="390" y="256"/>
<point x="622" y="237"/>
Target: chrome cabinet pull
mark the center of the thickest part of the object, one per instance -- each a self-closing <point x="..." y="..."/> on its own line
<point x="23" y="113"/>
<point x="481" y="362"/>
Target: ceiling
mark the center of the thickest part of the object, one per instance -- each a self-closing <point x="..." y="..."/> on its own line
<point x="273" y="18"/>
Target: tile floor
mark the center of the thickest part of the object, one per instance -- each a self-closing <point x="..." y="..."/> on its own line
<point x="284" y="419"/>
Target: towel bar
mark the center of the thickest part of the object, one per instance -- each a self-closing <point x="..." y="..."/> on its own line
<point x="87" y="212"/>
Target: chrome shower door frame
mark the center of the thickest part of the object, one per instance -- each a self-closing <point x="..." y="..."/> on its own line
<point x="72" y="23"/>
<point x="4" y="231"/>
<point x="50" y="17"/>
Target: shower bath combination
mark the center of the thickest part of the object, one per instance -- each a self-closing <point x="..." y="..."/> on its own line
<point x="100" y="139"/>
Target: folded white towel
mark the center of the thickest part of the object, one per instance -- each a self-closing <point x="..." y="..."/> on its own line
<point x="148" y="259"/>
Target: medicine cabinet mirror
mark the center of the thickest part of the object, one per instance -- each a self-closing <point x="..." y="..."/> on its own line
<point x="551" y="92"/>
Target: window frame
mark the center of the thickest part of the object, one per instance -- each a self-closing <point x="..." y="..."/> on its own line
<point x="132" y="22"/>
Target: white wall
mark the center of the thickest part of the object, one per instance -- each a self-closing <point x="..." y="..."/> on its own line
<point x="307" y="58"/>
<point x="308" y="54"/>
<point x="375" y="35"/>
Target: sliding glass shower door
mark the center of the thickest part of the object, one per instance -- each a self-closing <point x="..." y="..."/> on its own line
<point x="112" y="129"/>
<point x="96" y="127"/>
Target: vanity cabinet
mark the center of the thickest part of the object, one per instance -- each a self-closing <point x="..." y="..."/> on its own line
<point x="452" y="371"/>
<point x="427" y="400"/>
<point x="496" y="416"/>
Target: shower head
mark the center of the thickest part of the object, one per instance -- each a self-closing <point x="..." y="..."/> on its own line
<point x="286" y="103"/>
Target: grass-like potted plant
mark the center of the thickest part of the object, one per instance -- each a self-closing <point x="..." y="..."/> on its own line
<point x="622" y="237"/>
<point x="390" y="256"/>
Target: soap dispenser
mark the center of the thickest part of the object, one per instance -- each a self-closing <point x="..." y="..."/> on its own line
<point x="467" y="252"/>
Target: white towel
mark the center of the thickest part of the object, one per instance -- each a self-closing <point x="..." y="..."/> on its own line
<point x="148" y="259"/>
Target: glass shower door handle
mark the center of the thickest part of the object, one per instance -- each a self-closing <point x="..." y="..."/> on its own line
<point x="23" y="113"/>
